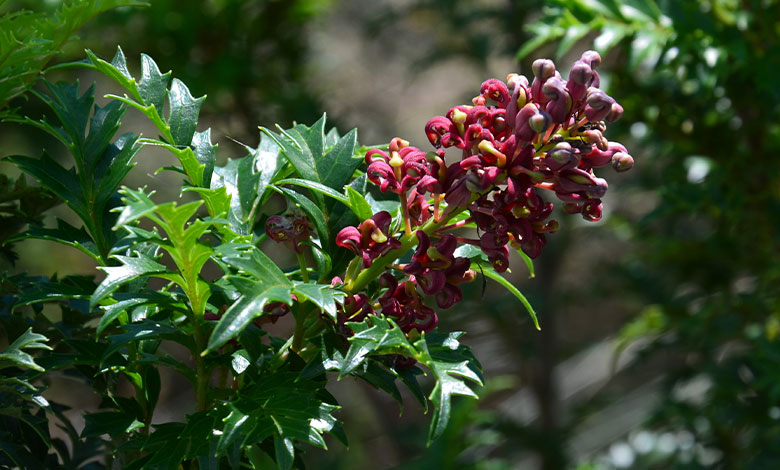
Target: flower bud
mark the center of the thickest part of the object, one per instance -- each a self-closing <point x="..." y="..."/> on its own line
<point x="543" y="68"/>
<point x="598" y="105"/>
<point x="615" y="113"/>
<point x="622" y="161"/>
<point x="539" y="122"/>
<point x="591" y="58"/>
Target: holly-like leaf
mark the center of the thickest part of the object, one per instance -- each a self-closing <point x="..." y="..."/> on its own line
<point x="183" y="114"/>
<point x="324" y="296"/>
<point x="65" y="233"/>
<point x="453" y="366"/>
<point x="305" y="148"/>
<point x="240" y="182"/>
<point x="376" y="335"/>
<point x="153" y="86"/>
<point x="266" y="282"/>
<point x="14" y="356"/>
<point x="285" y="407"/>
<point x="132" y="268"/>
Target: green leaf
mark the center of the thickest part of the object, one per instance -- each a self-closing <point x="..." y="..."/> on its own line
<point x="145" y="330"/>
<point x="240" y="182"/>
<point x="453" y="365"/>
<point x="285" y="452"/>
<point x="320" y="188"/>
<point x="377" y="335"/>
<point x="305" y="148"/>
<point x="65" y="234"/>
<point x="137" y="204"/>
<point x="112" y="167"/>
<point x="324" y="296"/>
<point x="111" y="312"/>
<point x="358" y="204"/>
<point x="50" y="174"/>
<point x="489" y="272"/>
<point x="153" y="86"/>
<point x="183" y="114"/>
<point x="206" y="154"/>
<point x="132" y="268"/>
<point x="267" y="283"/>
<point x="14" y="356"/>
<point x="109" y="422"/>
<point x="573" y="34"/>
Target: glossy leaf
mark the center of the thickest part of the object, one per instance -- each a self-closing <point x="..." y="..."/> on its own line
<point x="267" y="283"/>
<point x="153" y="86"/>
<point x="453" y="366"/>
<point x="305" y="148"/>
<point x="14" y="356"/>
<point x="131" y="268"/>
<point x="359" y="204"/>
<point x="324" y="296"/>
<point x="183" y="114"/>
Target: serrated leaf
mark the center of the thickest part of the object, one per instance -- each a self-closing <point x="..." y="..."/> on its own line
<point x="14" y="356"/>
<point x="453" y="366"/>
<point x="305" y="148"/>
<point x="183" y="113"/>
<point x="50" y="174"/>
<point x="324" y="296"/>
<point x="240" y="182"/>
<point x="379" y="335"/>
<point x="132" y="268"/>
<point x="137" y="204"/>
<point x="254" y="296"/>
<point x="147" y="329"/>
<point x="267" y="283"/>
<point x="153" y="86"/>
<point x="116" y="69"/>
<point x="65" y="234"/>
<point x="111" y="312"/>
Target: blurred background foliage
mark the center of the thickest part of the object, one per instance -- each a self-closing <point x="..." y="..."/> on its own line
<point x="659" y="344"/>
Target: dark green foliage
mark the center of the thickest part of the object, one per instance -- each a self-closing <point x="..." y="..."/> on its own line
<point x="703" y="82"/>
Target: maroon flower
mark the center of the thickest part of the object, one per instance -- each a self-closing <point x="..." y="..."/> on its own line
<point x="398" y="171"/>
<point x="371" y="239"/>
<point x="292" y="229"/>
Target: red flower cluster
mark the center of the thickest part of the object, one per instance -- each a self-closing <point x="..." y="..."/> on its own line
<point x="517" y="139"/>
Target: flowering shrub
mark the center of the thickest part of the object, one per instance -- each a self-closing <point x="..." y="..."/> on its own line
<point x="354" y="214"/>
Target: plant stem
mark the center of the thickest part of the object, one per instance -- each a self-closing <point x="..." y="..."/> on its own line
<point x="304" y="268"/>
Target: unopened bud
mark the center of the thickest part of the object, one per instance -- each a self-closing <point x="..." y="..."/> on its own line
<point x="622" y="161"/>
<point x="614" y="113"/>
<point x="543" y="68"/>
<point x="540" y="122"/>
<point x="591" y="58"/>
